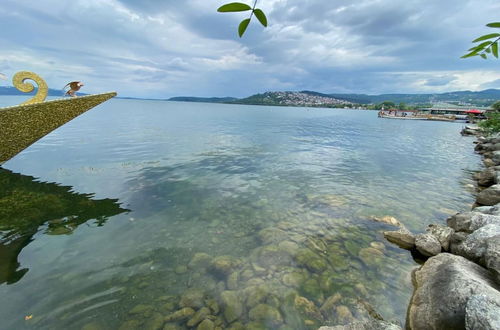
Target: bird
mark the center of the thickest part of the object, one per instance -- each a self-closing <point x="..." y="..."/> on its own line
<point x="74" y="86"/>
<point x="3" y="77"/>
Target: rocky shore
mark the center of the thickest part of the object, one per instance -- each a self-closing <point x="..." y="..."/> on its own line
<point x="458" y="286"/>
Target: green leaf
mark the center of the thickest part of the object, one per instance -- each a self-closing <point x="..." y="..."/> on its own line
<point x="483" y="56"/>
<point x="494" y="25"/>
<point x="260" y="16"/>
<point x="483" y="45"/>
<point x="469" y="55"/>
<point x="494" y="49"/>
<point x="488" y="50"/>
<point x="243" y="26"/>
<point x="234" y="6"/>
<point x="487" y="36"/>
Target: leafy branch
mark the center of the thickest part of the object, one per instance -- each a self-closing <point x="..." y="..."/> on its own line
<point x="487" y="46"/>
<point x="239" y="6"/>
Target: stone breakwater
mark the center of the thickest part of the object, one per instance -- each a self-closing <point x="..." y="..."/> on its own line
<point x="458" y="286"/>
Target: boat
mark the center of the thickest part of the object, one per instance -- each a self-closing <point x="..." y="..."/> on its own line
<point x="413" y="115"/>
<point x="24" y="124"/>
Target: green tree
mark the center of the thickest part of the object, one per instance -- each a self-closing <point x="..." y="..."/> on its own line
<point x="402" y="106"/>
<point x="496" y="106"/>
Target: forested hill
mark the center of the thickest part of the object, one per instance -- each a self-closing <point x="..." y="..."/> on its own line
<point x="481" y="98"/>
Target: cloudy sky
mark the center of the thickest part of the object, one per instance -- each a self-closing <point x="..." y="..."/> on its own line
<point x="165" y="48"/>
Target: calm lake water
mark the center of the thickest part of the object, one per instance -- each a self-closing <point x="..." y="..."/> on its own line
<point x="139" y="213"/>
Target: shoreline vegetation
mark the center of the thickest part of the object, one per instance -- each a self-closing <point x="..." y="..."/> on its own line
<point x="457" y="287"/>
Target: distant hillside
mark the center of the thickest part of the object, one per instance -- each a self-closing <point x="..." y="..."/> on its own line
<point x="481" y="98"/>
<point x="9" y="90"/>
<point x="203" y="99"/>
<point x="306" y="99"/>
<point x="311" y="98"/>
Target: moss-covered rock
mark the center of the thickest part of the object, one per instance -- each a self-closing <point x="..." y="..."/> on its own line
<point x="232" y="305"/>
<point x="312" y="290"/>
<point x="310" y="260"/>
<point x="224" y="265"/>
<point x="192" y="298"/>
<point x="266" y="314"/>
<point x="199" y="316"/>
<point x="155" y="322"/>
<point x="371" y="256"/>
<point x="180" y="315"/>
<point x="272" y="235"/>
<point x="294" y="279"/>
<point x="200" y="260"/>
<point x="206" y="325"/>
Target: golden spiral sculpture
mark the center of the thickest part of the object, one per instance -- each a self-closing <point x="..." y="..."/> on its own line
<point x="43" y="89"/>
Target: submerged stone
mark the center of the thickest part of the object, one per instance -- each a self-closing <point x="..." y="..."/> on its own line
<point x="206" y="325"/>
<point x="200" y="260"/>
<point x="233" y="308"/>
<point x="371" y="256"/>
<point x="266" y="314"/>
<point x="224" y="265"/>
<point x="180" y="315"/>
<point x="199" y="316"/>
<point x="310" y="260"/>
<point x="192" y="298"/>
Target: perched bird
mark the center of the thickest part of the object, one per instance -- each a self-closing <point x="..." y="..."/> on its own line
<point x="2" y="76"/>
<point x="74" y="86"/>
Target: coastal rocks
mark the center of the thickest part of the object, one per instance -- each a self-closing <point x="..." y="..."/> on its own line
<point x="474" y="246"/>
<point x="491" y="195"/>
<point x="442" y="233"/>
<point x="442" y="286"/>
<point x="486" y="178"/>
<point x="427" y="244"/>
<point x="493" y="210"/>
<point x="492" y="256"/>
<point x="471" y="221"/>
<point x="402" y="238"/>
<point x="482" y="312"/>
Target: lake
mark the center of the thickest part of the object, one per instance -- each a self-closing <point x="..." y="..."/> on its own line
<point x="141" y="212"/>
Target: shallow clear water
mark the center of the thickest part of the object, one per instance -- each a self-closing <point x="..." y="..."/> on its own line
<point x="252" y="216"/>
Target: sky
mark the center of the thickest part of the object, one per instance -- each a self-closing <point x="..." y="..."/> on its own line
<point x="166" y="48"/>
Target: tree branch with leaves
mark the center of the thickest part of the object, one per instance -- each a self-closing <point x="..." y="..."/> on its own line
<point x="488" y="45"/>
<point x="239" y="6"/>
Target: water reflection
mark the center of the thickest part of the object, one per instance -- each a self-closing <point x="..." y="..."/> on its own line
<point x="28" y="205"/>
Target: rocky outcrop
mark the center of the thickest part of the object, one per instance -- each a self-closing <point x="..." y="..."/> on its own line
<point x="474" y="246"/>
<point x="402" y="238"/>
<point x="442" y="287"/>
<point x="427" y="244"/>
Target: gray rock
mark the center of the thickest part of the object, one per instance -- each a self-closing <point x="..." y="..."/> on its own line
<point x="493" y="210"/>
<point x="492" y="256"/>
<point x="402" y="238"/>
<point x="482" y="313"/>
<point x="427" y="244"/>
<point x="471" y="221"/>
<point x="486" y="178"/>
<point x="365" y="325"/>
<point x="442" y="287"/>
<point x="442" y="233"/>
<point x="496" y="157"/>
<point x="474" y="246"/>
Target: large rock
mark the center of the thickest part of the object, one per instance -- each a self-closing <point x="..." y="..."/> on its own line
<point x="493" y="210"/>
<point x="402" y="238"/>
<point x="365" y="325"/>
<point x="492" y="256"/>
<point x="471" y="221"/>
<point x="481" y="313"/>
<point x="233" y="307"/>
<point x="489" y="196"/>
<point x="486" y="177"/>
<point x="495" y="156"/>
<point x="474" y="246"/>
<point x="442" y="233"/>
<point x="442" y="286"/>
<point x="427" y="244"/>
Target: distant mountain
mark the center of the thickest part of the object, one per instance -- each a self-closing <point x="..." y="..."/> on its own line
<point x="311" y="98"/>
<point x="9" y="90"/>
<point x="203" y="99"/>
